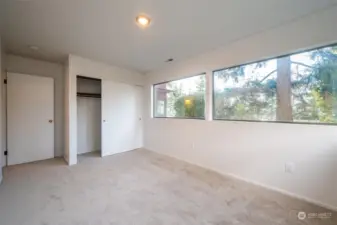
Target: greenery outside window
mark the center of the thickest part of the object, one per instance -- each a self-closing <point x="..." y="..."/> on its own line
<point x="184" y="98"/>
<point x="299" y="88"/>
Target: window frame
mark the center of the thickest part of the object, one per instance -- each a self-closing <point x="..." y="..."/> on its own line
<point x="171" y="80"/>
<point x="258" y="61"/>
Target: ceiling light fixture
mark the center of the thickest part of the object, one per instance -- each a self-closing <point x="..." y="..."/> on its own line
<point x="34" y="48"/>
<point x="143" y="21"/>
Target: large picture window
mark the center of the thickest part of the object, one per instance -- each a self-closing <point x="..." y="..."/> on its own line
<point x="296" y="88"/>
<point x="184" y="98"/>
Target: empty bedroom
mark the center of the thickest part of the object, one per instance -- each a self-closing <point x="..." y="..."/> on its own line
<point x="157" y="112"/>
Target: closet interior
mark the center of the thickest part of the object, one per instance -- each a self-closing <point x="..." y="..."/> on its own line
<point x="89" y="113"/>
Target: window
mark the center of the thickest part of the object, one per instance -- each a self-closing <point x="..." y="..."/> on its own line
<point x="296" y="88"/>
<point x="183" y="98"/>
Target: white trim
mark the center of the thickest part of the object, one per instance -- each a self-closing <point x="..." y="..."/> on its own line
<point x="281" y="191"/>
<point x="275" y="189"/>
<point x="209" y="96"/>
<point x="65" y="159"/>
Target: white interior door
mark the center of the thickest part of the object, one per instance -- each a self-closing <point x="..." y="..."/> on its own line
<point x="121" y="117"/>
<point x="30" y="115"/>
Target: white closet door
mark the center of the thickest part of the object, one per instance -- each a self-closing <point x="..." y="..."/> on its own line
<point x="121" y="124"/>
<point x="30" y="115"/>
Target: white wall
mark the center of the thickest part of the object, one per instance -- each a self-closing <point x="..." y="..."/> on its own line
<point x="88" y="117"/>
<point x="86" y="67"/>
<point x="89" y="86"/>
<point x="24" y="65"/>
<point x="88" y="125"/>
<point x="254" y="151"/>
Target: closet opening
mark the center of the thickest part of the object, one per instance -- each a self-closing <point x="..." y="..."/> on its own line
<point x="89" y="114"/>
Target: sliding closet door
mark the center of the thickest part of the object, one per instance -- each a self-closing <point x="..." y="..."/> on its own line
<point x="121" y="117"/>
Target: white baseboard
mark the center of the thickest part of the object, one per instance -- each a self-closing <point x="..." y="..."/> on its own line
<point x="281" y="191"/>
<point x="284" y="192"/>
<point x="65" y="159"/>
<point x="122" y="152"/>
<point x="1" y="176"/>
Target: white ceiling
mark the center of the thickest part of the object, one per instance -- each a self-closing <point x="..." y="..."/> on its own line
<point x="105" y="30"/>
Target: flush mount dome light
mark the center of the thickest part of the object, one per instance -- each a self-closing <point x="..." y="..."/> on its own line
<point x="34" y="48"/>
<point x="143" y="21"/>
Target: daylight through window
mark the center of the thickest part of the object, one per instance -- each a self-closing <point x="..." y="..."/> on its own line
<point x="297" y="88"/>
<point x="184" y="98"/>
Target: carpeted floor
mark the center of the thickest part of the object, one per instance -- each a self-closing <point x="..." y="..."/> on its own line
<point x="139" y="187"/>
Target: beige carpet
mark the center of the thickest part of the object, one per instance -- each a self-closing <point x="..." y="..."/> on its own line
<point x="139" y="187"/>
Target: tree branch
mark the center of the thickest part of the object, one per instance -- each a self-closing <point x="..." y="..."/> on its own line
<point x="303" y="64"/>
<point x="328" y="54"/>
<point x="267" y="76"/>
<point x="232" y="92"/>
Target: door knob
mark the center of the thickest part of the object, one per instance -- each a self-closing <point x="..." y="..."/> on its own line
<point x="50" y="121"/>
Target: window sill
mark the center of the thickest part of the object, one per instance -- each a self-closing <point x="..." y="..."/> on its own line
<point x="284" y="122"/>
<point x="179" y="118"/>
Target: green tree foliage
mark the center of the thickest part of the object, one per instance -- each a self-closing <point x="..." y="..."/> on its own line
<point x="314" y="92"/>
<point x="192" y="104"/>
<point x="252" y="92"/>
<point x="196" y="109"/>
<point x="254" y="98"/>
<point x="174" y="94"/>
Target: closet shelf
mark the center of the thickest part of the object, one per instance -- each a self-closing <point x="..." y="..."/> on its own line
<point x="88" y="95"/>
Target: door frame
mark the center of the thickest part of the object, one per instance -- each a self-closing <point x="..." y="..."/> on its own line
<point x="5" y="153"/>
<point x="70" y="150"/>
<point x="75" y="156"/>
<point x="76" y="103"/>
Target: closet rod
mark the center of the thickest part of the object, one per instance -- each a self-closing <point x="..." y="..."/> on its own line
<point x="89" y="95"/>
<point x="88" y="78"/>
